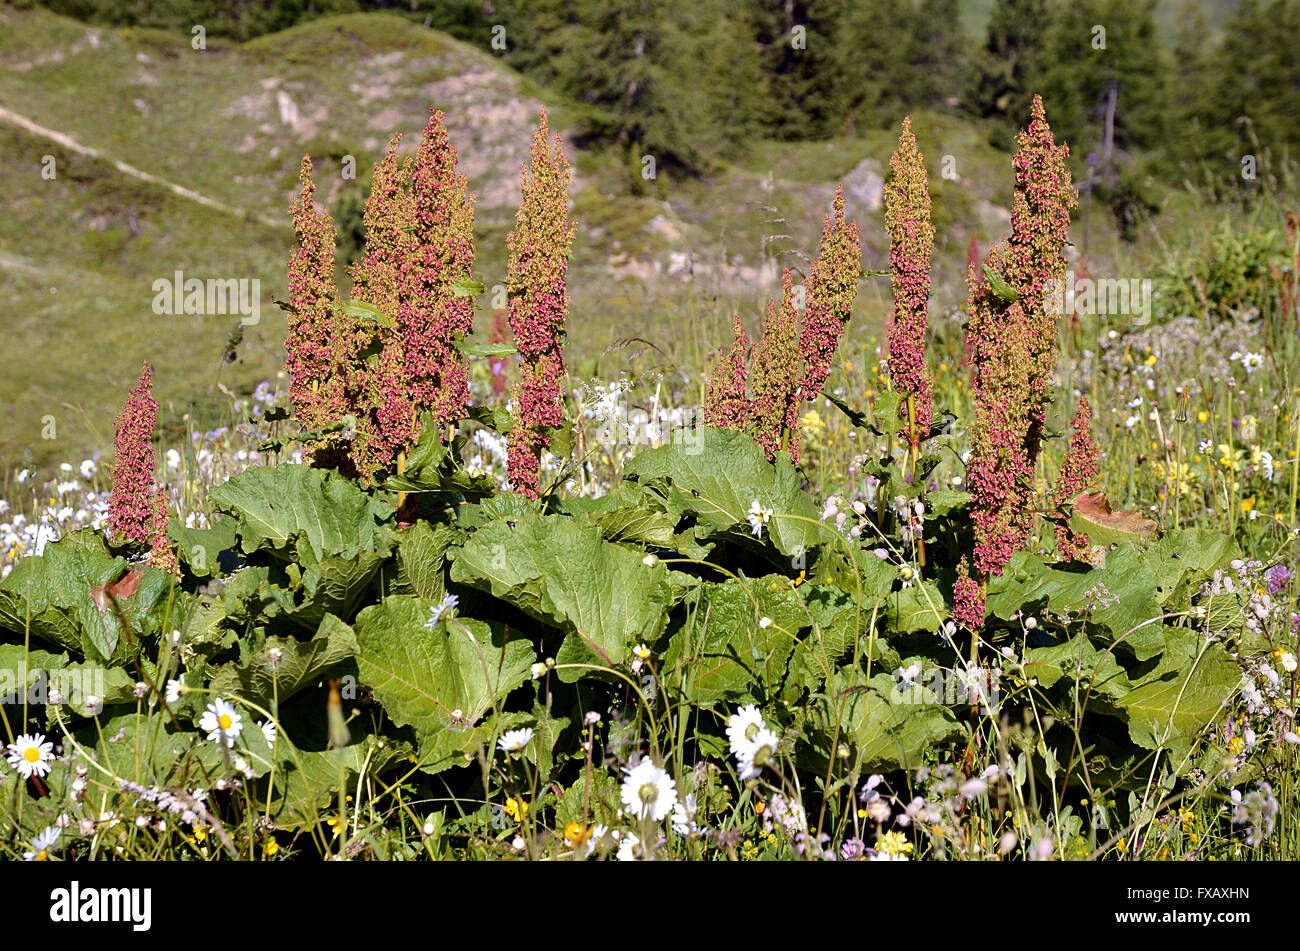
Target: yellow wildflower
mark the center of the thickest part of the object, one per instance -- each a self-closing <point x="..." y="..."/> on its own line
<point x="895" y="843"/>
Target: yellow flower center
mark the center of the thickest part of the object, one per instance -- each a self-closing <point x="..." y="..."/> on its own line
<point x="41" y="856"/>
<point x="648" y="792"/>
<point x="224" y="721"/>
<point x="32" y="754"/>
<point x="574" y="833"/>
<point x="751" y="731"/>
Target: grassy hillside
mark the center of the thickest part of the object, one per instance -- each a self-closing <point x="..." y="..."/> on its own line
<point x="78" y="254"/>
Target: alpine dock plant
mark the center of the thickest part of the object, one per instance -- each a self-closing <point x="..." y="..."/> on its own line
<point x="1012" y="339"/>
<point x="691" y="664"/>
<point x="726" y="404"/>
<point x="313" y="349"/>
<point x="379" y="278"/>
<point x="431" y="316"/>
<point x="911" y="244"/>
<point x="832" y="287"/>
<point x="539" y="263"/>
<point x="137" y="508"/>
<point x="1078" y="473"/>
<point x="794" y="354"/>
<point x="776" y="374"/>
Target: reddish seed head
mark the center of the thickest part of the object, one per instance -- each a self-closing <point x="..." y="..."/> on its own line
<point x="832" y="286"/>
<point x="539" y="264"/>
<point x="911" y="244"/>
<point x="1012" y="348"/>
<point x="137" y="509"/>
<point x="967" y="599"/>
<point x="1078" y="473"/>
<point x="777" y="377"/>
<point x="725" y="402"/>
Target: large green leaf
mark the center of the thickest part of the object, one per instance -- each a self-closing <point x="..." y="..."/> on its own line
<point x="333" y="585"/>
<point x="1120" y="596"/>
<point x="301" y="664"/>
<point x="308" y="782"/>
<point x="1076" y="659"/>
<point x="1181" y="559"/>
<point x="1173" y="704"/>
<point x="884" y="733"/>
<point x="65" y="592"/>
<point x="838" y="618"/>
<point x="279" y="505"/>
<point x="200" y="549"/>
<point x="565" y="574"/>
<point x="723" y="653"/>
<point x="422" y="555"/>
<point x="424" y="676"/>
<point x="716" y="474"/>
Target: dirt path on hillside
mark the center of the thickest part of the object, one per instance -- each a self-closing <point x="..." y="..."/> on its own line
<point x="27" y="125"/>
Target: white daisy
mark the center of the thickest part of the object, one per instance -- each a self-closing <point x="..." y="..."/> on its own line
<point x="88" y="468"/>
<point x="515" y="740"/>
<point x="173" y="693"/>
<point x="648" y="792"/>
<point x="30" y="753"/>
<point x="591" y="841"/>
<point x="743" y="727"/>
<point x="41" y="845"/>
<point x="269" y="731"/>
<point x="629" y="849"/>
<point x="758" y="517"/>
<point x="221" y="719"/>
<point x="444" y="610"/>
<point x="684" y="818"/>
<point x="1266" y="465"/>
<point x="1250" y="362"/>
<point x="761" y="749"/>
<point x="1289" y="662"/>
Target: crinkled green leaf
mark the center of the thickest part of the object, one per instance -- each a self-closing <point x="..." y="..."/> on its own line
<point x="63" y="581"/>
<point x="717" y="474"/>
<point x="422" y="556"/>
<point x="1173" y="704"/>
<point x="1077" y="659"/>
<point x="722" y="651"/>
<point x="440" y="681"/>
<point x="301" y="664"/>
<point x="882" y="733"/>
<point x="279" y="505"/>
<point x="566" y="575"/>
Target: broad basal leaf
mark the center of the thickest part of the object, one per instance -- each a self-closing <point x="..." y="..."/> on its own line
<point x="1170" y="706"/>
<point x="279" y="505"/>
<point x="882" y="732"/>
<point x="566" y="575"/>
<point x="441" y="681"/>
<point x="300" y="664"/>
<point x="717" y="474"/>
<point x="723" y="651"/>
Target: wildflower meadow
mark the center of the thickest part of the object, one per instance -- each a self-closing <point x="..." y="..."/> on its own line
<point x="1011" y="581"/>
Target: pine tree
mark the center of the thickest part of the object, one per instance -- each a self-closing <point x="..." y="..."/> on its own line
<point x="1006" y="70"/>
<point x="802" y="43"/>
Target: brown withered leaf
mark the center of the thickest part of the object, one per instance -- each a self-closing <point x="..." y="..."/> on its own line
<point x="1093" y="516"/>
<point x="123" y="587"/>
